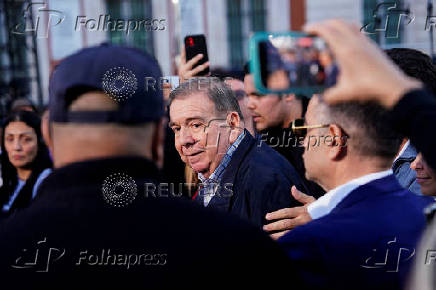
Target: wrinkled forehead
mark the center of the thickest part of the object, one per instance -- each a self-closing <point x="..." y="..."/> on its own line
<point x="189" y="106"/>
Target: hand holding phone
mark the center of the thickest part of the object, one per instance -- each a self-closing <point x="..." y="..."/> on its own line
<point x="194" y="58"/>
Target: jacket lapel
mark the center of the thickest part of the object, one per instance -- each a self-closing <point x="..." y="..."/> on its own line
<point x="225" y="193"/>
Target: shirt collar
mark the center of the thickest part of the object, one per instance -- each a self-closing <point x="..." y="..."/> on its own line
<point x="218" y="172"/>
<point x="402" y="150"/>
<point x="326" y="203"/>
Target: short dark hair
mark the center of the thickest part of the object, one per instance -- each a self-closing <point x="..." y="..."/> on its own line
<point x="224" y="74"/>
<point x="416" y="64"/>
<point x="216" y="90"/>
<point x="367" y="126"/>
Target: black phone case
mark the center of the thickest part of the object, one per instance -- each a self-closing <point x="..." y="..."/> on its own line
<point x="197" y="46"/>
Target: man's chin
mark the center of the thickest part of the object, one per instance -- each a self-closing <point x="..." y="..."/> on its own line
<point x="198" y="168"/>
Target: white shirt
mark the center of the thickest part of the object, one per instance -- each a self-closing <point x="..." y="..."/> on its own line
<point x="326" y="203"/>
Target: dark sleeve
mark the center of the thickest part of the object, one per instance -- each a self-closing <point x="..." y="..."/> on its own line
<point x="306" y="257"/>
<point x="414" y="116"/>
<point x="268" y="191"/>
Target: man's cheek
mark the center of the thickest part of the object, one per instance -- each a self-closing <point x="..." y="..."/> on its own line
<point x="209" y="140"/>
<point x="179" y="150"/>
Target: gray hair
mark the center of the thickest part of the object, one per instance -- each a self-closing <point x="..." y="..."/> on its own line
<point x="216" y="90"/>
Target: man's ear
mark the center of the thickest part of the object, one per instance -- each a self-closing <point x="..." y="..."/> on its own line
<point x="336" y="141"/>
<point x="234" y="122"/>
<point x="157" y="146"/>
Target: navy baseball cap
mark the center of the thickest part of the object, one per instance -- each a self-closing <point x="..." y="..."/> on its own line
<point x="127" y="75"/>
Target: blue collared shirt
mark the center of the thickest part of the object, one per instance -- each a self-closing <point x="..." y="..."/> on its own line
<point x="209" y="185"/>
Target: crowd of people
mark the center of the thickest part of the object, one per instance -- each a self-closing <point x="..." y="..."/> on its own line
<point x="202" y="185"/>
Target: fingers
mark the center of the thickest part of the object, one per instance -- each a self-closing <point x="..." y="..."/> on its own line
<point x="199" y="68"/>
<point x="285" y="213"/>
<point x="193" y="61"/>
<point x="276" y="236"/>
<point x="186" y="69"/>
<point x="183" y="55"/>
<point x="329" y="33"/>
<point x="281" y="225"/>
<point x="336" y="94"/>
<point x="301" y="197"/>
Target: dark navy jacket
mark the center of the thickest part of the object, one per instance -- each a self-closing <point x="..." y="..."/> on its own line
<point x="257" y="180"/>
<point x="77" y="238"/>
<point x="366" y="242"/>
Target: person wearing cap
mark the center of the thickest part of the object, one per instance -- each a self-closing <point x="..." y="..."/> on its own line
<point x="95" y="216"/>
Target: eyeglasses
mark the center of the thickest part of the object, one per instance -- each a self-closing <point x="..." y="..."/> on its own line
<point x="300" y="129"/>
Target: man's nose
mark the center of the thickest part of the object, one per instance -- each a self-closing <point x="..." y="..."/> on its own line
<point x="251" y="103"/>
<point x="185" y="137"/>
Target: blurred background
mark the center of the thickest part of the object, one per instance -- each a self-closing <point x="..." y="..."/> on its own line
<point x="36" y="35"/>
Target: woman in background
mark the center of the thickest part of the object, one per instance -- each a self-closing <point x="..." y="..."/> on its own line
<point x="25" y="161"/>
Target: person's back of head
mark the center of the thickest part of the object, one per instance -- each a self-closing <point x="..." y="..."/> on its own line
<point x="100" y="106"/>
<point x="416" y="64"/>
<point x="367" y="126"/>
<point x="366" y="129"/>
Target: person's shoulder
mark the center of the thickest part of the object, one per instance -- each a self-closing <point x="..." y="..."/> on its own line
<point x="263" y="156"/>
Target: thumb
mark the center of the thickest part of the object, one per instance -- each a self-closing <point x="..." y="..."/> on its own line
<point x="301" y="197"/>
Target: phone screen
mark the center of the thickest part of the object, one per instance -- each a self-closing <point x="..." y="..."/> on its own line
<point x="297" y="62"/>
<point x="196" y="44"/>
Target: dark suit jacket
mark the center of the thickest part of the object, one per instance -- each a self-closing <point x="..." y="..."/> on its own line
<point x="257" y="180"/>
<point x="157" y="242"/>
<point x="347" y="248"/>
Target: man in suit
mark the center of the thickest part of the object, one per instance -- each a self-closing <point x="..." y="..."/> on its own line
<point x="95" y="221"/>
<point x="365" y="228"/>
<point x="238" y="174"/>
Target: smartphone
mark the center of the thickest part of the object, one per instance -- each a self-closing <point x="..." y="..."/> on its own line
<point x="292" y="62"/>
<point x="196" y="44"/>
